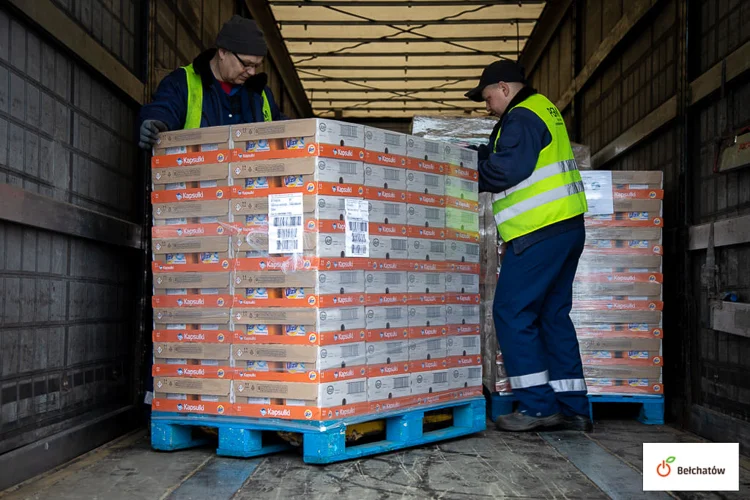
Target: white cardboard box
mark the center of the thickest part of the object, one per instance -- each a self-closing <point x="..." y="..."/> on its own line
<point x="387" y="212"/>
<point x="388" y="387"/>
<point x="428" y="348"/>
<point x="385" y="177"/>
<point x="377" y="282"/>
<point x="388" y="247"/>
<point x="427" y="315"/>
<point x="461" y="283"/>
<point x="421" y="282"/>
<point x="427" y="382"/>
<point x="424" y="249"/>
<point x="424" y="149"/>
<point x="424" y="182"/>
<point x="394" y="316"/>
<point x="464" y="345"/>
<point x="384" y="141"/>
<point x="424" y="216"/>
<point x="387" y="351"/>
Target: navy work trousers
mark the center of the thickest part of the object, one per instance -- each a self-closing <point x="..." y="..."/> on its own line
<point x="537" y="338"/>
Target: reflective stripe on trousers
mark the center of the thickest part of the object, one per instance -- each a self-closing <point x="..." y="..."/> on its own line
<point x="568" y="385"/>
<point x="530" y="380"/>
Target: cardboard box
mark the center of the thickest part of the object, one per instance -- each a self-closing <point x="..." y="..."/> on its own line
<point x="197" y="176"/>
<point x="292" y="171"/>
<point x="427" y="282"/>
<point x="389" y="381"/>
<point x="259" y="136"/>
<point x="426" y="243"/>
<point x="634" y="358"/>
<point x="592" y="262"/>
<point x="388" y="241"/>
<point x="184" y="311"/>
<point x="190" y="206"/>
<point x="425" y="210"/>
<point x="192" y="351"/>
<point x="623" y="372"/>
<point x="461" y="157"/>
<point x="424" y="149"/>
<point x="193" y="140"/>
<point x="193" y="386"/>
<point x="386" y="212"/>
<point x="384" y="141"/>
<point x="191" y="250"/>
<point x="465" y="371"/>
<point x="325" y="395"/>
<point x="463" y="189"/>
<point x="462" y="278"/>
<point x="585" y="318"/>
<point x="429" y="376"/>
<point x="624" y="233"/>
<point x="386" y="316"/>
<point x="428" y="348"/>
<point x="322" y="357"/>
<point x="462" y="309"/>
<point x="629" y="386"/>
<point x="388" y="351"/>
<point x="464" y="345"/>
<point x="648" y="291"/>
<point x="427" y="315"/>
<point x="338" y="276"/>
<point x="321" y="320"/>
<point x="423" y="182"/>
<point x="384" y="282"/>
<point x="191" y="283"/>
<point x="380" y="176"/>
<point x="461" y="220"/>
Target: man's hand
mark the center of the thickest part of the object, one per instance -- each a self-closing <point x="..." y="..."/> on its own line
<point x="149" y="132"/>
<point x="483" y="152"/>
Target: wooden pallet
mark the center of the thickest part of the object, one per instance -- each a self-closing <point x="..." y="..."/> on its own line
<point x="322" y="442"/>
<point x="651" y="412"/>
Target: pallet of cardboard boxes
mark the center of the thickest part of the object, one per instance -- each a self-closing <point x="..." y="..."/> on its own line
<point x="313" y="270"/>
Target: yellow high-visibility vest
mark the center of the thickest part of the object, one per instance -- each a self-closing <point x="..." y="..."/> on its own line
<point x="195" y="100"/>
<point x="554" y="191"/>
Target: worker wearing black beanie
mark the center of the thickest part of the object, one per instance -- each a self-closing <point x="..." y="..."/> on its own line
<point x="221" y="87"/>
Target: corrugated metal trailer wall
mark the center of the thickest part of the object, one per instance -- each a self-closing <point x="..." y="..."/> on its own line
<point x="74" y="328"/>
<point x="641" y="83"/>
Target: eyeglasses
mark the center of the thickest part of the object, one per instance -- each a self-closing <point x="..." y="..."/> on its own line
<point x="244" y="64"/>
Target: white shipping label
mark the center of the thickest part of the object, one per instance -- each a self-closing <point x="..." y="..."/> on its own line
<point x="598" y="188"/>
<point x="357" y="228"/>
<point x="285" y="223"/>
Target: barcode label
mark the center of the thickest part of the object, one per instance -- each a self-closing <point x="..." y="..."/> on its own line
<point x="392" y="209"/>
<point x="392" y="139"/>
<point x="475" y="372"/>
<point x="349" y="314"/>
<point x="348" y="131"/>
<point x="392" y="174"/>
<point x="467" y="185"/>
<point x="434" y="344"/>
<point x="394" y="347"/>
<point x="467" y="279"/>
<point x="347" y="167"/>
<point x="431" y="180"/>
<point x="393" y="278"/>
<point x="356" y="216"/>
<point x="399" y="245"/>
<point x="355" y="387"/>
<point x="432" y="279"/>
<point x="393" y="313"/>
<point x="285" y="229"/>
<point x="432" y="213"/>
<point x="347" y="278"/>
<point x="432" y="147"/>
<point x="470" y="342"/>
<point x="472" y="250"/>
<point x="440" y="378"/>
<point x="401" y="383"/>
<point x="437" y="246"/>
<point x="350" y="351"/>
<point x="434" y="312"/>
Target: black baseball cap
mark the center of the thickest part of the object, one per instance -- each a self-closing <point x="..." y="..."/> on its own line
<point x="499" y="71"/>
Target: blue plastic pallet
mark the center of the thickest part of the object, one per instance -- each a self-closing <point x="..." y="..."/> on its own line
<point x="652" y="407"/>
<point x="322" y="442"/>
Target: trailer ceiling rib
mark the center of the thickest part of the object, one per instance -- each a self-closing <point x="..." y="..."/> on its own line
<point x="395" y="58"/>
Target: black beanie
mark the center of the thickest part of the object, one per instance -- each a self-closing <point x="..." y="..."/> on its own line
<point x="242" y="36"/>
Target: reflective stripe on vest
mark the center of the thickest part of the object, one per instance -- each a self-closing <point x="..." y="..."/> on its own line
<point x="195" y="100"/>
<point x="554" y="191"/>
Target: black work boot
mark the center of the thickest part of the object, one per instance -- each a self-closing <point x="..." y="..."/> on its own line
<point x="519" y="422"/>
<point x="577" y="423"/>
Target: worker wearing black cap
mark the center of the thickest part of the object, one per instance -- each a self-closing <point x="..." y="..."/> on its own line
<point x="538" y="203"/>
<point x="220" y="87"/>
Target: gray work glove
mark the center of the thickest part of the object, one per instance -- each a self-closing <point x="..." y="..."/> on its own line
<point x="149" y="131"/>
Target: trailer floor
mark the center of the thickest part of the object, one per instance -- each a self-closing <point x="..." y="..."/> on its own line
<point x="565" y="465"/>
